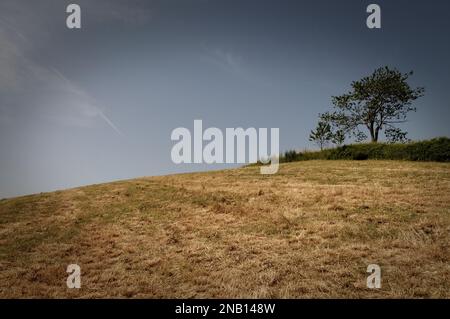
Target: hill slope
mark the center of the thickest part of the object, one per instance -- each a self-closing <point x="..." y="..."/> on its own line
<point x="309" y="231"/>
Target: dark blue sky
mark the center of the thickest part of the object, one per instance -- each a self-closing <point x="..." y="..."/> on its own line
<point x="99" y="104"/>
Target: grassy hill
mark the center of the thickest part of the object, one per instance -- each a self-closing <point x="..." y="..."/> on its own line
<point x="309" y="231"/>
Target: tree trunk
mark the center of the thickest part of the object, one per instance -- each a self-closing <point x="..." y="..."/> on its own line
<point x="377" y="130"/>
<point x="373" y="136"/>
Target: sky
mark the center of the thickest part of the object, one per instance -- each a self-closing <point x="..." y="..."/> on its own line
<point x="98" y="104"/>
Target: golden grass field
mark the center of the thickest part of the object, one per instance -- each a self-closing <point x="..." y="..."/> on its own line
<point x="309" y="231"/>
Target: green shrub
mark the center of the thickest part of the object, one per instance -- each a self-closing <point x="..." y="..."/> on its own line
<point x="437" y="150"/>
<point x="360" y="156"/>
<point x="290" y="156"/>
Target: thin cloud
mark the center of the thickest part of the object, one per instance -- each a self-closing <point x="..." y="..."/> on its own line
<point x="7" y="25"/>
<point x="232" y="63"/>
<point x="226" y="60"/>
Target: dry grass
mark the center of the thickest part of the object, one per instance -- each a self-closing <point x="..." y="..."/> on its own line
<point x="309" y="231"/>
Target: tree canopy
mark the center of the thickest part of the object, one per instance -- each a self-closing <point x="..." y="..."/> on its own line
<point x="375" y="103"/>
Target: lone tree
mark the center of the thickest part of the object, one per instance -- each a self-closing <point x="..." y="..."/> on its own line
<point x="322" y="135"/>
<point x="376" y="102"/>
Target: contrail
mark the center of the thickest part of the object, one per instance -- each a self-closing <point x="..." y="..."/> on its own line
<point x="96" y="109"/>
<point x="107" y="120"/>
<point x="67" y="84"/>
